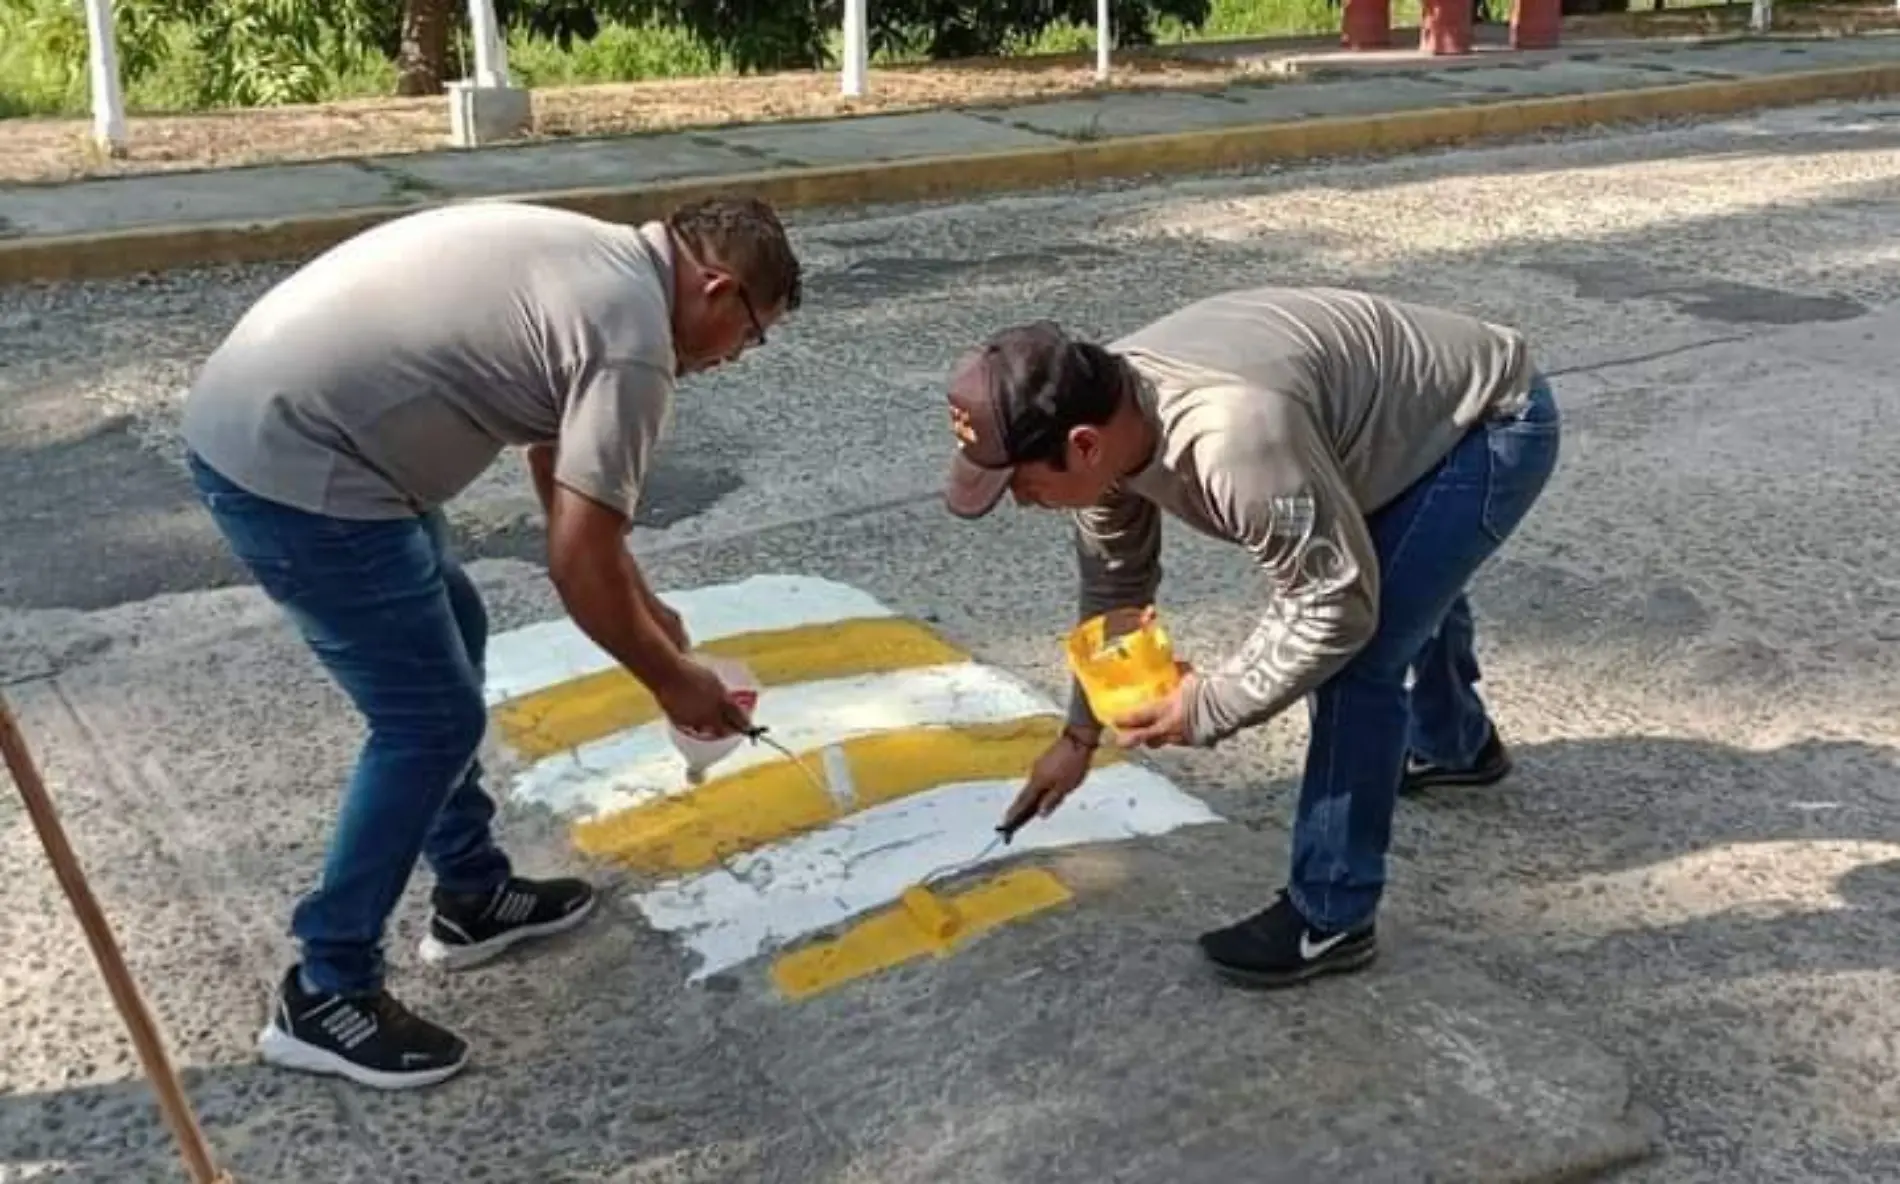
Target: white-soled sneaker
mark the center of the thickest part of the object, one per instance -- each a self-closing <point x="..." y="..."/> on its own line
<point x="467" y="931"/>
<point x="370" y="1039"/>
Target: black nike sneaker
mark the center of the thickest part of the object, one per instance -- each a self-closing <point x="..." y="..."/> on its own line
<point x="466" y="931"/>
<point x="370" y="1039"/>
<point x="1277" y="948"/>
<point x="1491" y="766"/>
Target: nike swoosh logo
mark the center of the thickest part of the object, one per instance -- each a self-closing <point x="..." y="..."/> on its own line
<point x="1310" y="949"/>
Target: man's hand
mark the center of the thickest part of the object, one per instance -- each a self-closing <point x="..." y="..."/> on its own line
<point x="1161" y="723"/>
<point x="700" y="704"/>
<point x="1055" y="775"/>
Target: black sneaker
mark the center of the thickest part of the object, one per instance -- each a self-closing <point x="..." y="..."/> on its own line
<point x="370" y="1039"/>
<point x="1492" y="764"/>
<point x="469" y="930"/>
<point x="1276" y="948"/>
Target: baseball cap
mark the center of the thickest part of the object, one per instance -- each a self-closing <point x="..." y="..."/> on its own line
<point x="1012" y="400"/>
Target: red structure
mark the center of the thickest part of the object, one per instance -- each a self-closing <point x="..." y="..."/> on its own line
<point x="1444" y="27"/>
<point x="1367" y="24"/>
<point x="1536" y="24"/>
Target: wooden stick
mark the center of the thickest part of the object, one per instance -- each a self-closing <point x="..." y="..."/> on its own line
<point x="125" y="992"/>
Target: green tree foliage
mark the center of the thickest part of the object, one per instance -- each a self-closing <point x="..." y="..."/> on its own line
<point x="773" y="35"/>
<point x="249" y="52"/>
<point x="262" y="52"/>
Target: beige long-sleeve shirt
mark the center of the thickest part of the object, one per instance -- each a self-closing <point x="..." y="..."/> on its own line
<point x="1285" y="417"/>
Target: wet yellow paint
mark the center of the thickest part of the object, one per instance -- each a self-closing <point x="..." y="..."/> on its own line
<point x="893" y="936"/>
<point x="929" y="912"/>
<point x="594" y="706"/>
<point x="774" y="800"/>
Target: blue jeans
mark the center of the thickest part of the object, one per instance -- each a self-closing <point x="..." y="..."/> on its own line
<point x="400" y="627"/>
<point x="1430" y="540"/>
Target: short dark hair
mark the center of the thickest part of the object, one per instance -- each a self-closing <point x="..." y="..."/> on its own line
<point x="744" y="234"/>
<point x="1015" y="398"/>
<point x="1095" y="383"/>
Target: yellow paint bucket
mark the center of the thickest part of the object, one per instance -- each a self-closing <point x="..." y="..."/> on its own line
<point x="1124" y="661"/>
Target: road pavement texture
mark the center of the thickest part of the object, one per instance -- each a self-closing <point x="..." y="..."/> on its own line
<point x="1680" y="908"/>
<point x="1310" y="86"/>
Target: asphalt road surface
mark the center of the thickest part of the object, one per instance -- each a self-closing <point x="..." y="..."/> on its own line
<point x="1691" y="646"/>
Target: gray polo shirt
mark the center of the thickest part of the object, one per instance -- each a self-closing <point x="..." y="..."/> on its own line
<point x="1285" y="417"/>
<point x="381" y="379"/>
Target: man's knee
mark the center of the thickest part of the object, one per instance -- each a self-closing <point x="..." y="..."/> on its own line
<point x="466" y="722"/>
<point x="1384" y="661"/>
<point x="451" y="727"/>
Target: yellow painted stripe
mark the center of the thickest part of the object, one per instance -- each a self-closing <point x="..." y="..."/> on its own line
<point x="894" y="936"/>
<point x="775" y="800"/>
<point x="588" y="708"/>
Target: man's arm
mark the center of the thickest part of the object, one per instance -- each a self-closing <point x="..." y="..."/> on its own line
<point x="1274" y="486"/>
<point x="591" y="480"/>
<point x="541" y="459"/>
<point x="603" y="590"/>
<point x="1118" y="559"/>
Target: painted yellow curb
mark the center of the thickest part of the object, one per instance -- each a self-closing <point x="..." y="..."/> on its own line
<point x="93" y="256"/>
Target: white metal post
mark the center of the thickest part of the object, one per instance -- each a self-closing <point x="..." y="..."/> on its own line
<point x="1762" y="17"/>
<point x="491" y="50"/>
<point x="856" y="38"/>
<point x="108" y="102"/>
<point x="1102" y="40"/>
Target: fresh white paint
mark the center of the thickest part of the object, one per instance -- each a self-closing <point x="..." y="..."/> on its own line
<point x="856" y="43"/>
<point x="641" y="764"/>
<point x="108" y="101"/>
<point x="764" y="899"/>
<point x="536" y="657"/>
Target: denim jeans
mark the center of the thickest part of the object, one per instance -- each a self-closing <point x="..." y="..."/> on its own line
<point x="400" y="627"/>
<point x="1429" y="540"/>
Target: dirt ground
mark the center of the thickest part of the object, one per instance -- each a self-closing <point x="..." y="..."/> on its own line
<point x="45" y="150"/>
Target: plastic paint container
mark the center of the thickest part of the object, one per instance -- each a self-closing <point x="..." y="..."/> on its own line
<point x="703" y="754"/>
<point x="1124" y="661"/>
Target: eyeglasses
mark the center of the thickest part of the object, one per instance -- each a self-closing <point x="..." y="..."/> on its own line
<point x="758" y="326"/>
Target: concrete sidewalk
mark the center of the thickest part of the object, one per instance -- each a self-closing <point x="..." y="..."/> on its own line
<point x="1307" y="104"/>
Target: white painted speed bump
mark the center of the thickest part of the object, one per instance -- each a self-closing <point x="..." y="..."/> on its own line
<point x="915" y="751"/>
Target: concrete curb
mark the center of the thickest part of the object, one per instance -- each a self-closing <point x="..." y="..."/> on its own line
<point x="119" y="253"/>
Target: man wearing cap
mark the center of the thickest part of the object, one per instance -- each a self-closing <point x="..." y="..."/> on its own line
<point x="1368" y="454"/>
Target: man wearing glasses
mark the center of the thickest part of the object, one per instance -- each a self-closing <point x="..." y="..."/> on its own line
<point x="1368" y="455"/>
<point x="325" y="434"/>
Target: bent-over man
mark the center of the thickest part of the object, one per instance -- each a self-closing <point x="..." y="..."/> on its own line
<point x="326" y="433"/>
<point x="1368" y="455"/>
